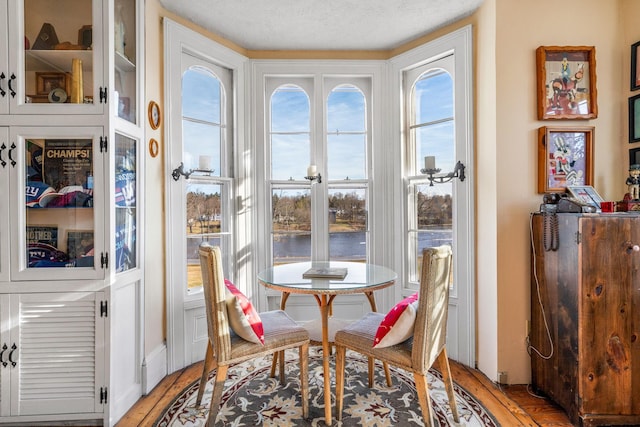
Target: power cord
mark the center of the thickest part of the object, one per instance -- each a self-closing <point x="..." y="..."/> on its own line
<point x="531" y="348"/>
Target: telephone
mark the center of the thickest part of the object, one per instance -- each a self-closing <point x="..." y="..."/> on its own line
<point x="553" y="203"/>
<point x="563" y="202"/>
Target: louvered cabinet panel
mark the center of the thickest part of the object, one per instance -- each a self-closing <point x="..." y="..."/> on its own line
<point x="60" y="355"/>
<point x="5" y="341"/>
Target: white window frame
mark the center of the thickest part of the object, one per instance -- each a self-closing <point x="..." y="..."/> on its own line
<point x="459" y="43"/>
<point x="178" y="41"/>
<point x="335" y="72"/>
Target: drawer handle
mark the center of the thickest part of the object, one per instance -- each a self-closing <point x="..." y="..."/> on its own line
<point x="3" y="92"/>
<point x="13" y="147"/>
<point x="4" y="348"/>
<point x="13" y="92"/>
<point x="2" y="161"/>
<point x="13" y="348"/>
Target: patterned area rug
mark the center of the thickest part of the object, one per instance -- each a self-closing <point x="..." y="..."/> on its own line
<point x="251" y="398"/>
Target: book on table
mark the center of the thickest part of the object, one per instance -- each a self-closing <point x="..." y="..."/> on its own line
<point x="325" y="273"/>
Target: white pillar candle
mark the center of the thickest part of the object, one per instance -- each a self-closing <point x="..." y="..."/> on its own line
<point x="312" y="171"/>
<point x="204" y="163"/>
<point x="430" y="162"/>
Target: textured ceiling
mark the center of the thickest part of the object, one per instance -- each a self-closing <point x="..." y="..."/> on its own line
<point x="321" y="24"/>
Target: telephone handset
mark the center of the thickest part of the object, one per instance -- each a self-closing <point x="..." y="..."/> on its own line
<point x="549" y="207"/>
<point x="553" y="203"/>
<point x="550" y="233"/>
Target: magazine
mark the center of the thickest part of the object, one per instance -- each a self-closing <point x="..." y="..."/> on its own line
<point x="325" y="273"/>
<point x="67" y="163"/>
<point x="43" y="234"/>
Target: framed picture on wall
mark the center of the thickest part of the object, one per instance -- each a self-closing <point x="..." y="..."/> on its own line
<point x="566" y="77"/>
<point x="565" y="158"/>
<point x="634" y="156"/>
<point x="635" y="66"/>
<point x="634" y="118"/>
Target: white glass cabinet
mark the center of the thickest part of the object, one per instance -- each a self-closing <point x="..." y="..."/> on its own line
<point x="71" y="153"/>
<point x="55" y="61"/>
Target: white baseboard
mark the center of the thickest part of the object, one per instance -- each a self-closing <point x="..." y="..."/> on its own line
<point x="154" y="368"/>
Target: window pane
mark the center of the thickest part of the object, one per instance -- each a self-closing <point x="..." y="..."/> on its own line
<point x="290" y="133"/>
<point x="346" y="133"/>
<point x="289" y="156"/>
<point x="201" y="146"/>
<point x="202" y="127"/>
<point x="434" y="211"/>
<point x="346" y="156"/>
<point x="201" y="96"/>
<point x="435" y="140"/>
<point x="346" y="110"/>
<point x="433" y="96"/>
<point x="291" y="225"/>
<point x="290" y="110"/>
<point x="206" y="222"/>
<point x="434" y="220"/>
<point x="348" y="233"/>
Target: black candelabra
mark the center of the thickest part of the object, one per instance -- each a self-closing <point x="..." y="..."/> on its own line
<point x="458" y="172"/>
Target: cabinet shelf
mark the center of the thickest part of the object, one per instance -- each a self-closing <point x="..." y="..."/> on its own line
<point x="40" y="208"/>
<point x="123" y="64"/>
<point x="58" y="60"/>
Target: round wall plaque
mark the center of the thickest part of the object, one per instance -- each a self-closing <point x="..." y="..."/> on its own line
<point x="154" y="115"/>
<point x="153" y="147"/>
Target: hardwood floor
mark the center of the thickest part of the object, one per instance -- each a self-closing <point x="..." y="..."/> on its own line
<point x="511" y="405"/>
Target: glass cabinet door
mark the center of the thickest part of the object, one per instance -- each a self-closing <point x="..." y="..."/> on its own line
<point x="58" y="210"/>
<point x="126" y="212"/>
<point x="125" y="59"/>
<point x="55" y="57"/>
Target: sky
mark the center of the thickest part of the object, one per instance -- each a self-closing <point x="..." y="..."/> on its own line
<point x="290" y="127"/>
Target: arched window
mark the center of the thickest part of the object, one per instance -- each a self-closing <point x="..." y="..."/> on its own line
<point x="204" y="148"/>
<point x="327" y="220"/>
<point x="432" y="140"/>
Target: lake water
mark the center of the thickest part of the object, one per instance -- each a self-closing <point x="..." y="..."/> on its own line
<point x="346" y="246"/>
<point x="342" y="246"/>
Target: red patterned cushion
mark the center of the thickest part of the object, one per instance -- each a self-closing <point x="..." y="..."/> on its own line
<point x="397" y="325"/>
<point x="243" y="318"/>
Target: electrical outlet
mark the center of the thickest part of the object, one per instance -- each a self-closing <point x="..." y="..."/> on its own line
<point x="502" y="378"/>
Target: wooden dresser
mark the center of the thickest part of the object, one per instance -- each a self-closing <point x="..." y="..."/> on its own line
<point x="586" y="283"/>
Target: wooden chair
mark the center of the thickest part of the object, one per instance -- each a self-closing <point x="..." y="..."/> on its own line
<point x="417" y="354"/>
<point x="226" y="348"/>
